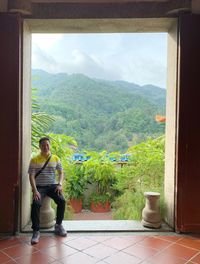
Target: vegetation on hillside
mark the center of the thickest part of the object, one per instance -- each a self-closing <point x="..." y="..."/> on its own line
<point x="100" y="114"/>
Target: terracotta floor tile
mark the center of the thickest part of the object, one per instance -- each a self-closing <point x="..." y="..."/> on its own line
<point x="62" y="240"/>
<point x="196" y="235"/>
<point x="180" y="251"/>
<point x="8" y="242"/>
<point x="19" y="250"/>
<point x="196" y="259"/>
<point x="135" y="238"/>
<point x="99" y="238"/>
<point x="100" y="251"/>
<point x="118" y="243"/>
<point x="35" y="258"/>
<point x="4" y="257"/>
<point x="169" y="238"/>
<point x="155" y="243"/>
<point x="24" y="239"/>
<point x="101" y="262"/>
<point x="190" y="242"/>
<point x="46" y="242"/>
<point x="141" y="252"/>
<point x="77" y="258"/>
<point x="166" y="259"/>
<point x="10" y="262"/>
<point x="103" y="248"/>
<point x="146" y="262"/>
<point x="81" y="243"/>
<point x="121" y="257"/>
<point x="59" y="251"/>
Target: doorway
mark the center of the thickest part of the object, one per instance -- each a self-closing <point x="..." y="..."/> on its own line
<point x="111" y="25"/>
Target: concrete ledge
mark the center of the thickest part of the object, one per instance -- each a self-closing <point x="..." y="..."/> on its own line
<point x="105" y="226"/>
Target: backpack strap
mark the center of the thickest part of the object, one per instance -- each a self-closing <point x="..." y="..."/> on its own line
<point x="43" y="167"/>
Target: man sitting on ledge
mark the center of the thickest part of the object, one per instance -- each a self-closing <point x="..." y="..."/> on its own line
<point x="41" y="171"/>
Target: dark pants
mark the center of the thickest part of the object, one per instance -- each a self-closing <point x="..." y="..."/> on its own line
<point x="35" y="208"/>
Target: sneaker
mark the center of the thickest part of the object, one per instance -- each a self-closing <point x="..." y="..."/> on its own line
<point x="35" y="238"/>
<point x="59" y="230"/>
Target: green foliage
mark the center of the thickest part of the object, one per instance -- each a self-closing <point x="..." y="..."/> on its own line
<point x="100" y="170"/>
<point x="100" y="114"/>
<point x="128" y="205"/>
<point x="101" y="173"/>
<point x="62" y="145"/>
<point x="76" y="181"/>
<point x="99" y="198"/>
<point x="40" y="122"/>
<point x="145" y="172"/>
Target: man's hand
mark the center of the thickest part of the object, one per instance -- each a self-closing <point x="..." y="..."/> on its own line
<point x="36" y="195"/>
<point x="58" y="189"/>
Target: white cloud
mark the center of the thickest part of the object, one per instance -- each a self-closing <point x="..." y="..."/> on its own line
<point x="46" y="41"/>
<point x="43" y="60"/>
<point x="91" y="66"/>
<point x="138" y="58"/>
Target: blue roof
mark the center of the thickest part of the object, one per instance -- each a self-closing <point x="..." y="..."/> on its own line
<point x="83" y="157"/>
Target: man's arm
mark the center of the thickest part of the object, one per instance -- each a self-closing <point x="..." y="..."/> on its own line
<point x="60" y="181"/>
<point x="36" y="194"/>
<point x="60" y="177"/>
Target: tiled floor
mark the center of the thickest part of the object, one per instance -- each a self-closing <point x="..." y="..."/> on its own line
<point x="102" y="248"/>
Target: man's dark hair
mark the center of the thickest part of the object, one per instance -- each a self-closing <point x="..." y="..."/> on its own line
<point x="43" y="139"/>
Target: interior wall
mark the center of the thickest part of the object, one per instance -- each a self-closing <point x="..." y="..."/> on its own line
<point x="26" y="126"/>
<point x="170" y="131"/>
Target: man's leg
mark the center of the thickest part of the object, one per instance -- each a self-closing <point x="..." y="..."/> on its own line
<point x="35" y="216"/>
<point x="60" y="201"/>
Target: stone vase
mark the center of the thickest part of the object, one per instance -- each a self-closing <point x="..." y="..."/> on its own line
<point x="47" y="214"/>
<point x="151" y="213"/>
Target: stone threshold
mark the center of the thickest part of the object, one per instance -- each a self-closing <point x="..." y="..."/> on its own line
<point x="105" y="226"/>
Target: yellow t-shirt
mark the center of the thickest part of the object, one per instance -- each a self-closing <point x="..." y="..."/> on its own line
<point x="48" y="174"/>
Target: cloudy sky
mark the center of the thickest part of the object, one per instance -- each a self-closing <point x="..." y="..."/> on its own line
<point x="140" y="58"/>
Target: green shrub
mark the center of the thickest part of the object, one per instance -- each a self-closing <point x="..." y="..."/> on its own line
<point x="144" y="172"/>
<point x="76" y="181"/>
<point x="101" y="172"/>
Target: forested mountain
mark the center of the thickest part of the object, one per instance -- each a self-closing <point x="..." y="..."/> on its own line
<point x="99" y="114"/>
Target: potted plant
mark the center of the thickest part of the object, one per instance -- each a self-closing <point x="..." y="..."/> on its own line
<point x="75" y="186"/>
<point x="100" y="203"/>
<point x="101" y="172"/>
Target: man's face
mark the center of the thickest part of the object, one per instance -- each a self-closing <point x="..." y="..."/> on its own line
<point x="45" y="147"/>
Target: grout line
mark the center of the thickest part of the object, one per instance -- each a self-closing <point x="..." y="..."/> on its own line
<point x="10" y="257"/>
<point x="193" y="257"/>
